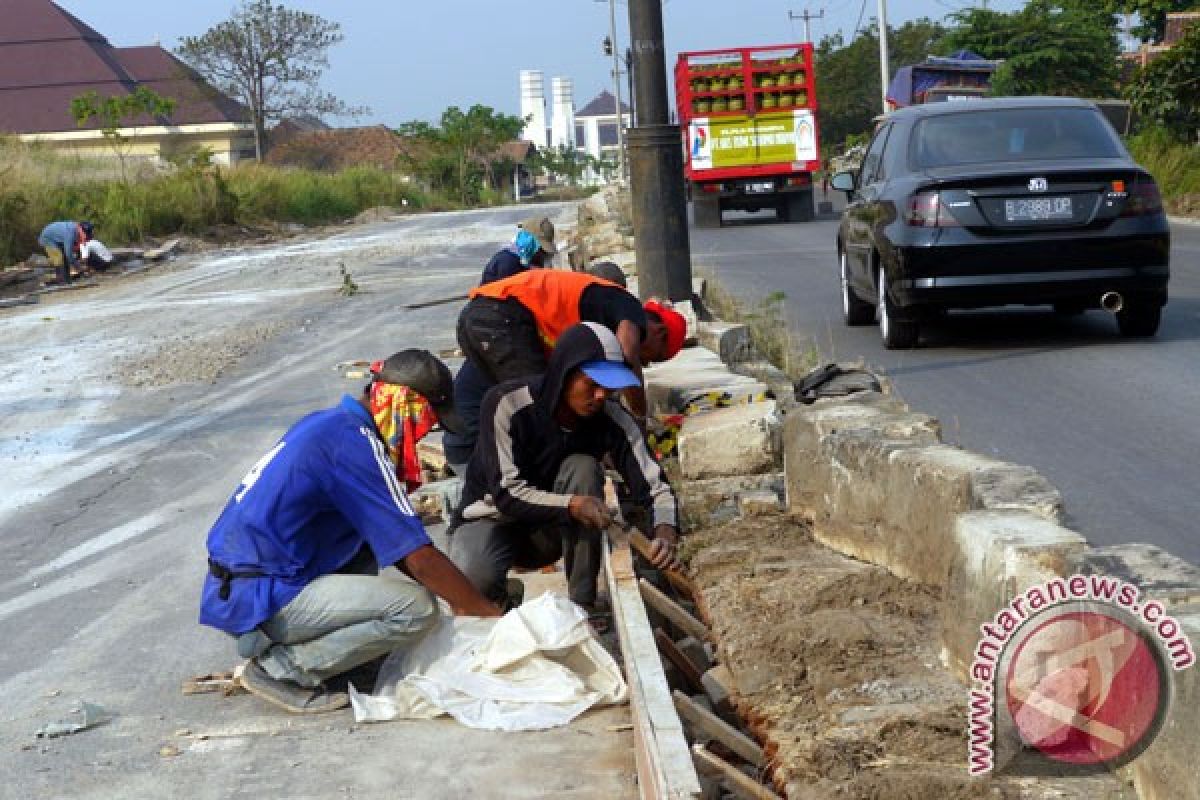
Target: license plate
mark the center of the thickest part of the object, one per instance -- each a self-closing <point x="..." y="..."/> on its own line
<point x="760" y="188"/>
<point x="1037" y="209"/>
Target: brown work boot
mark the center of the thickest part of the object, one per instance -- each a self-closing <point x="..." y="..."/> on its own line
<point x="290" y="696"/>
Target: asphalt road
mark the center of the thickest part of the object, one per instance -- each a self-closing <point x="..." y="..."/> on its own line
<point x="1111" y="422"/>
<point x="107" y="490"/>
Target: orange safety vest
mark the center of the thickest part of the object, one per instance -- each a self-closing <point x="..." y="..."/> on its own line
<point x="551" y="295"/>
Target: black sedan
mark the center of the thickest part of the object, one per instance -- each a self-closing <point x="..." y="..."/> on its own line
<point x="1011" y="201"/>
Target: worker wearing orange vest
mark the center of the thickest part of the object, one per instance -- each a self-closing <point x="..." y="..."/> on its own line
<point x="508" y="328"/>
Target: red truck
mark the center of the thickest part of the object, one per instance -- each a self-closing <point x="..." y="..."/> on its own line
<point x="749" y="122"/>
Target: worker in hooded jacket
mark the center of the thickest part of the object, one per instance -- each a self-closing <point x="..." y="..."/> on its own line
<point x="534" y="488"/>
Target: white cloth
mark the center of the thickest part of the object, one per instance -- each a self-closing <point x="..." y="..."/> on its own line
<point x="537" y="667"/>
<point x="97" y="248"/>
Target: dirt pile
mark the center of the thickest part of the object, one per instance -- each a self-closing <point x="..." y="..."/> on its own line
<point x="836" y="669"/>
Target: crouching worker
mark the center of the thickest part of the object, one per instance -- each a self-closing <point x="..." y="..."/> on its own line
<point x="294" y="557"/>
<point x="534" y="487"/>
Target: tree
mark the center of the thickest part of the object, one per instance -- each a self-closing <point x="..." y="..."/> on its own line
<point x="460" y="153"/>
<point x="1151" y="14"/>
<point x="271" y="59"/>
<point x="848" y="91"/>
<point x="1166" y="92"/>
<point x="1046" y="48"/>
<point x="121" y="111"/>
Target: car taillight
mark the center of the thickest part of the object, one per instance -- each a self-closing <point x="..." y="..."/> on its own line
<point x="710" y="187"/>
<point x="798" y="180"/>
<point x="1143" y="199"/>
<point x="926" y="210"/>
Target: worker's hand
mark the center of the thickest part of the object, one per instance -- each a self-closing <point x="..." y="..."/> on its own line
<point x="663" y="553"/>
<point x="590" y="511"/>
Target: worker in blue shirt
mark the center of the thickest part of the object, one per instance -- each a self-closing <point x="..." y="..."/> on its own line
<point x="62" y="241"/>
<point x="293" y="558"/>
<point x="532" y="248"/>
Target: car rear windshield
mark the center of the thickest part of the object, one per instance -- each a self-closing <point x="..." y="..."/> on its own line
<point x="1019" y="134"/>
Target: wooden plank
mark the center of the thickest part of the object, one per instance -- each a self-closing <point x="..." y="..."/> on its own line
<point x="665" y="767"/>
<point x="719" y="729"/>
<point x="681" y="662"/>
<point x="676" y="613"/>
<point x="737" y="781"/>
<point x="639" y="542"/>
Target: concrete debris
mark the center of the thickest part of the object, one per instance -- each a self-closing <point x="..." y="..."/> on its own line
<point x="87" y="715"/>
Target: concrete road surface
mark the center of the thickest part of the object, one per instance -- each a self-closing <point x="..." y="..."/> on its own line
<point x="130" y="414"/>
<point x="1114" y="423"/>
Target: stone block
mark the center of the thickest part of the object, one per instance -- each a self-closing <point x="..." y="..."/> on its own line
<point x="741" y="440"/>
<point x="759" y="503"/>
<point x="730" y="341"/>
<point x="1168" y="770"/>
<point x="719" y="686"/>
<point x="714" y="501"/>
<point x="696" y="370"/>
<point x="1160" y="575"/>
<point x="993" y="557"/>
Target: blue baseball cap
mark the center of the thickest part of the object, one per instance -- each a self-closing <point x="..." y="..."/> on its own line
<point x="610" y="374"/>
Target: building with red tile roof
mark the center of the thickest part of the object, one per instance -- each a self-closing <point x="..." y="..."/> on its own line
<point x="48" y="57"/>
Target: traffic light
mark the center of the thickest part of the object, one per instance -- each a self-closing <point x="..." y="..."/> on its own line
<point x="608" y="46"/>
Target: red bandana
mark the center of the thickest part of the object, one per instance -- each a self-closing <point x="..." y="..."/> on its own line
<point x="403" y="417"/>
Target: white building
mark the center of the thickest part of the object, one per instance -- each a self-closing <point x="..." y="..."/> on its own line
<point x="591" y="130"/>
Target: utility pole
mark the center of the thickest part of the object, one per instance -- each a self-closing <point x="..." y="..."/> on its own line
<point x="614" y="51"/>
<point x="806" y="17"/>
<point x="660" y="225"/>
<point x="884" y="72"/>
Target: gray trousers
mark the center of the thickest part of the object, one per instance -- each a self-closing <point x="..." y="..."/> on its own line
<point x="485" y="549"/>
<point x="340" y="621"/>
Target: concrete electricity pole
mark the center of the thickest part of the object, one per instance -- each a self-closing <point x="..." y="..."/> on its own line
<point x="806" y="17"/>
<point x="660" y="225"/>
<point x="884" y="72"/>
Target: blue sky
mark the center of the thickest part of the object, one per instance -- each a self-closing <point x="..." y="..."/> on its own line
<point x="409" y="59"/>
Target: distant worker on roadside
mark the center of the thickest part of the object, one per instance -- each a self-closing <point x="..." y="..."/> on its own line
<point x="293" y="560"/>
<point x="610" y="272"/>
<point x="534" y="489"/>
<point x="532" y="248"/>
<point x="62" y="241"/>
<point x="508" y="328"/>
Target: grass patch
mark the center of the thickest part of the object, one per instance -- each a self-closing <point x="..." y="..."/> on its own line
<point x="1175" y="166"/>
<point x="766" y="319"/>
<point x="39" y="185"/>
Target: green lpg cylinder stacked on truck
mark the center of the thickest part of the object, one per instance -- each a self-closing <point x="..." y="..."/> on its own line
<point x="748" y="117"/>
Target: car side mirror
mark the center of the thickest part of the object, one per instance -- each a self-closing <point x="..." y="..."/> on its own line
<point x="843" y="182"/>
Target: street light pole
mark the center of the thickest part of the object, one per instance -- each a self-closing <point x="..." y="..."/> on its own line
<point x="616" y="76"/>
<point x="884" y="72"/>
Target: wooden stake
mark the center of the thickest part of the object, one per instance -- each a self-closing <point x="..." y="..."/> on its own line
<point x="708" y="722"/>
<point x="674" y="612"/>
<point x="739" y="782"/>
<point x="682" y="663"/>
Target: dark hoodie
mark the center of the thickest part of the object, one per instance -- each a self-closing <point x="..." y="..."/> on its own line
<point x="521" y="445"/>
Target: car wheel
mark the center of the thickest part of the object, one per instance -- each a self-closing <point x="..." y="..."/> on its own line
<point x="854" y="310"/>
<point x="899" y="332"/>
<point x="1139" y="319"/>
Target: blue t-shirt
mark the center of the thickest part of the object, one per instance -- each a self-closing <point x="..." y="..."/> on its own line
<point x="303" y="511"/>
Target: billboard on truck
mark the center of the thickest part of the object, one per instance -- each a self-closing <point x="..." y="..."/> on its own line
<point x="718" y="143"/>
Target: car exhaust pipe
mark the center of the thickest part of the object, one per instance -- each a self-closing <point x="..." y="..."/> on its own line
<point x="1112" y="302"/>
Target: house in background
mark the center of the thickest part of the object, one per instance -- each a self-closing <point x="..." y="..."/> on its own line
<point x="596" y="126"/>
<point x="49" y="57"/>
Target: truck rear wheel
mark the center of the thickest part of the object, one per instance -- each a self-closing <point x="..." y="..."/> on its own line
<point x="796" y="207"/>
<point x="706" y="209"/>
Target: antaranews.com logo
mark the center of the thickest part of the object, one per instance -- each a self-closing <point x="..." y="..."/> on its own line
<point x="1072" y="677"/>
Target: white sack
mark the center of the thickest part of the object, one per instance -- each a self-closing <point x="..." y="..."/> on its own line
<point x="536" y="667"/>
